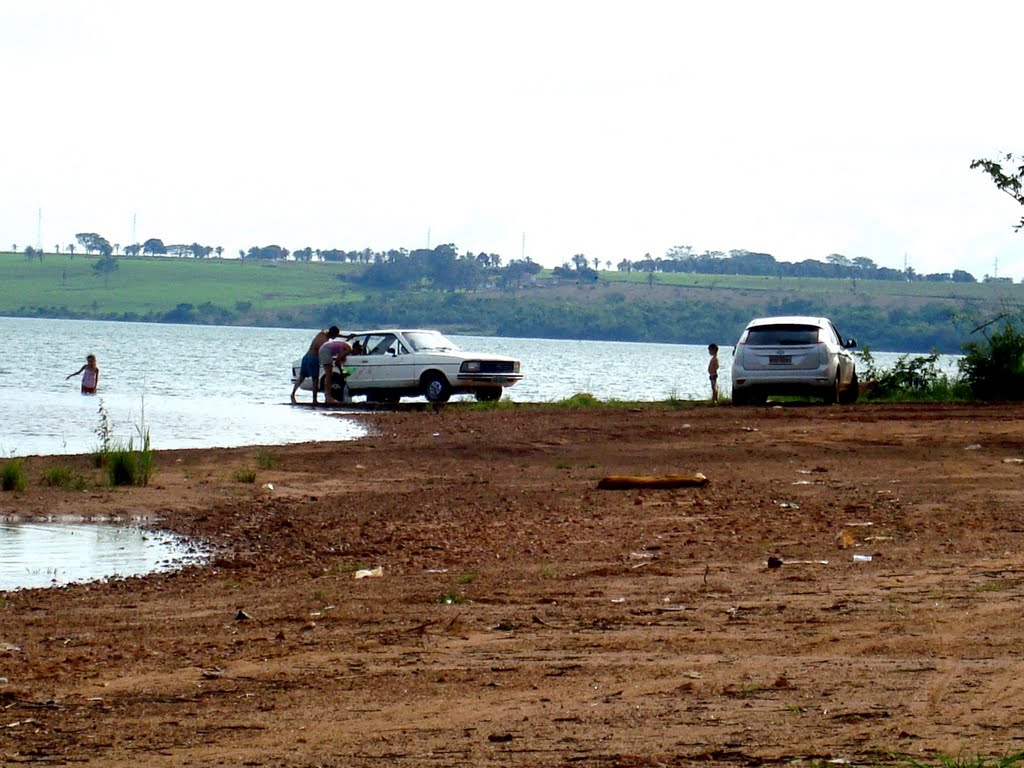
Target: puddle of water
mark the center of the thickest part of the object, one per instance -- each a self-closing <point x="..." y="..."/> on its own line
<point x="65" y="550"/>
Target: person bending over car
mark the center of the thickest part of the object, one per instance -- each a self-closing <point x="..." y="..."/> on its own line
<point x="332" y="353"/>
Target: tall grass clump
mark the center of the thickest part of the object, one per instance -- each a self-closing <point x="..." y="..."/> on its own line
<point x="910" y="379"/>
<point x="125" y="464"/>
<point x="128" y="465"/>
<point x="63" y="476"/>
<point x="12" y="475"/>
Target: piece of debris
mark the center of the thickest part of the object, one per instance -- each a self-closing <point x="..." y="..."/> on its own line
<point x="369" y="573"/>
<point x="859" y="558"/>
<point x="625" y="482"/>
<point x="242" y="616"/>
<point x="846" y="539"/>
<point x="973" y="447"/>
<point x="774" y="562"/>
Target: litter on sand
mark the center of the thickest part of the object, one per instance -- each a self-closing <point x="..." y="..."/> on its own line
<point x="369" y="573"/>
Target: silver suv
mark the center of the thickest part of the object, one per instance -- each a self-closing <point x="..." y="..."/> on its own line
<point x="793" y="355"/>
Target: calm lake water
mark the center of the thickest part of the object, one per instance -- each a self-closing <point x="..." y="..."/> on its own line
<point x="204" y="386"/>
<point x="48" y="553"/>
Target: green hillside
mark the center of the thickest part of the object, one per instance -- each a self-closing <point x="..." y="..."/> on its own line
<point x="672" y="307"/>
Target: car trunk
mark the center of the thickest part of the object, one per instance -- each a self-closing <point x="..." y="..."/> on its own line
<point x="782" y="348"/>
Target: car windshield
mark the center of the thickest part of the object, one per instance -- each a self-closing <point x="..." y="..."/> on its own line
<point x="782" y="335"/>
<point x="432" y="340"/>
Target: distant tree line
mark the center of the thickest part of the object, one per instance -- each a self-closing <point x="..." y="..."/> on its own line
<point x="681" y="258"/>
<point x="444" y="267"/>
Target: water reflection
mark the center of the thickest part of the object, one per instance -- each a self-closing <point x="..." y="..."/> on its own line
<point x="65" y="550"/>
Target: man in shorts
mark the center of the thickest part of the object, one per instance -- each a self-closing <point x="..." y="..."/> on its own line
<point x="310" y="366"/>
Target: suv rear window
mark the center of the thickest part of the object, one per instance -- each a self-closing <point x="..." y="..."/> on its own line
<point x="782" y="335"/>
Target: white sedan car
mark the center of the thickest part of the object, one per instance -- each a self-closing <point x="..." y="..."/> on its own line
<point x="387" y="365"/>
<point x="793" y="355"/>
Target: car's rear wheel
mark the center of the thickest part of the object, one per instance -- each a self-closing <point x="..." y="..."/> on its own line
<point x="436" y="387"/>
<point x="834" y="391"/>
<point x="748" y="397"/>
<point x="849" y="395"/>
<point x="488" y="394"/>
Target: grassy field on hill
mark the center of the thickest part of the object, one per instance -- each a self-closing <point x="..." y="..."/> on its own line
<point x="62" y="285"/>
<point x="821" y="285"/>
<point x="681" y="308"/>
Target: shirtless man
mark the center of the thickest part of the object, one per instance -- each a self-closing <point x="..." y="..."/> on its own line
<point x="310" y="367"/>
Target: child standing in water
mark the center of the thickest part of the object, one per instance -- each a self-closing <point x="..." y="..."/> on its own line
<point x="90" y="375"/>
<point x="713" y="371"/>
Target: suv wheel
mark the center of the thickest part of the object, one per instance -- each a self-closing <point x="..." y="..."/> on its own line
<point x="849" y="395"/>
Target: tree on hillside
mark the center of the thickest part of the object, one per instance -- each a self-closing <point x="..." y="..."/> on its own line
<point x="154" y="246"/>
<point x="959" y="276"/>
<point x="93" y="243"/>
<point x="1009" y="180"/>
<point x="104" y="266"/>
<point x="267" y="253"/>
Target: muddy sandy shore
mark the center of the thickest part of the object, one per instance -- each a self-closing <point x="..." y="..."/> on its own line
<point x="524" y="617"/>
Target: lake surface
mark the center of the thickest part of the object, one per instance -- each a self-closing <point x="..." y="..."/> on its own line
<point x="204" y="386"/>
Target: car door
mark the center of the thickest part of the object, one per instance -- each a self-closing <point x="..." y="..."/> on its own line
<point x="392" y="363"/>
<point x="357" y="364"/>
<point x="843" y="356"/>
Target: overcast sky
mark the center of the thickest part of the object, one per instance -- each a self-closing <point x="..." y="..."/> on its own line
<point x="798" y="129"/>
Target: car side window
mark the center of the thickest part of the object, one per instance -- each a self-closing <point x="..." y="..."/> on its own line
<point x="837" y="337"/>
<point x="381" y="344"/>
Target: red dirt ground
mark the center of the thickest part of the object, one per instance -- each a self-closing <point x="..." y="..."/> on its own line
<point x="525" y="618"/>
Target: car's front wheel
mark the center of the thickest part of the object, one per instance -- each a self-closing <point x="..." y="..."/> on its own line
<point x="436" y="387"/>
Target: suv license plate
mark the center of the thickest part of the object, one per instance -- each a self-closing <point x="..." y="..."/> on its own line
<point x="780" y="359"/>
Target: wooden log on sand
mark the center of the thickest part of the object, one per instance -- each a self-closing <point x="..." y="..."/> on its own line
<point x="625" y="482"/>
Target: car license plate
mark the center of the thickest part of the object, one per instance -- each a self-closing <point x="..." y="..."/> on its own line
<point x="780" y="359"/>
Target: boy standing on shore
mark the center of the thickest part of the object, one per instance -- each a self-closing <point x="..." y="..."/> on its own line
<point x="713" y="371"/>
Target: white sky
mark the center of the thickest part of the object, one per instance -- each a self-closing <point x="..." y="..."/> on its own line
<point x="798" y="129"/>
